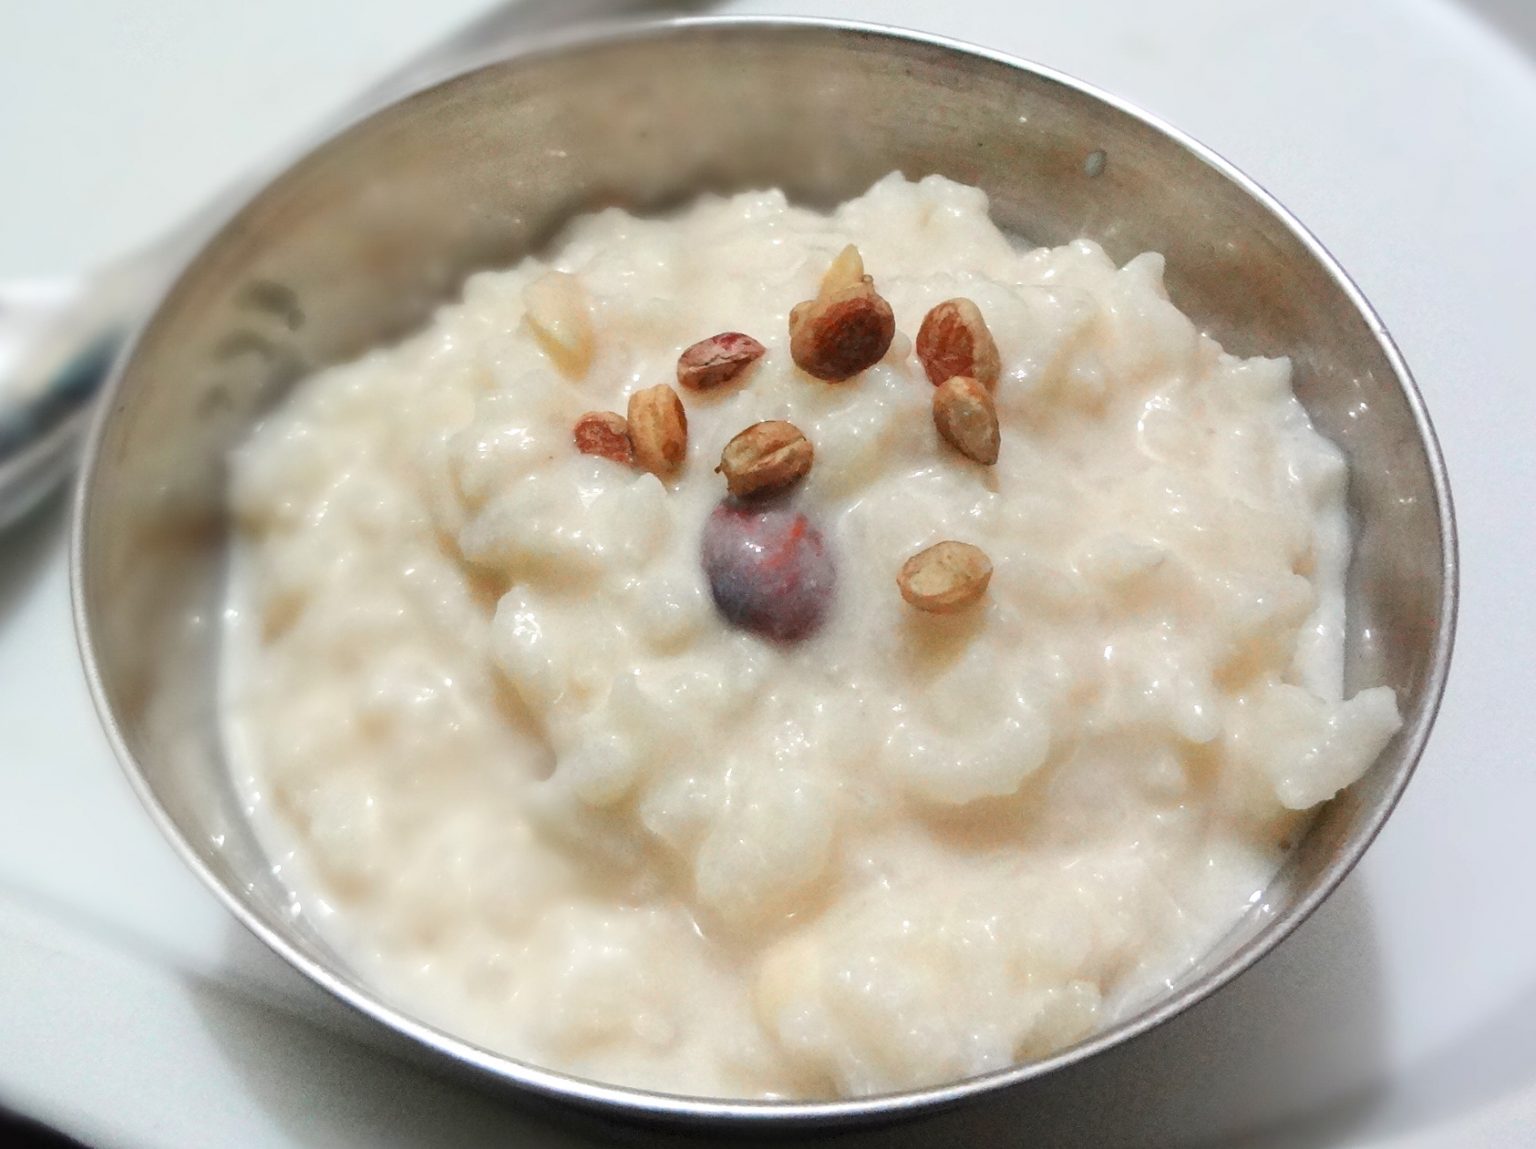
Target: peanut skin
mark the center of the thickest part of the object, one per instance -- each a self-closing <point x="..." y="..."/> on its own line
<point x="955" y="340"/>
<point x="846" y="329"/>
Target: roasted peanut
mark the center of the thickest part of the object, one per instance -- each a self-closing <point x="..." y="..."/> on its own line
<point x="765" y="458"/>
<point x="945" y="578"/>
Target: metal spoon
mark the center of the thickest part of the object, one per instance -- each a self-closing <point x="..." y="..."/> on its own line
<point x="58" y="339"/>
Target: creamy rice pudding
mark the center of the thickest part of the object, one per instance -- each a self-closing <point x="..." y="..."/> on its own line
<point x="966" y="704"/>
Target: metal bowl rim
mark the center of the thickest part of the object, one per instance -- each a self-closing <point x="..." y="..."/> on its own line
<point x="646" y="1104"/>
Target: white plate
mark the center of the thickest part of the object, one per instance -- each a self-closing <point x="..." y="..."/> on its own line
<point x="1402" y="131"/>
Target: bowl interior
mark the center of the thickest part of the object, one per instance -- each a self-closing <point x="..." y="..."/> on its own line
<point x="356" y="243"/>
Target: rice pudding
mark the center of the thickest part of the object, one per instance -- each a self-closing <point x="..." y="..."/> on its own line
<point x="647" y="672"/>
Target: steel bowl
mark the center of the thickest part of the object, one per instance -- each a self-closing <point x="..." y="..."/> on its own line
<point x="357" y="241"/>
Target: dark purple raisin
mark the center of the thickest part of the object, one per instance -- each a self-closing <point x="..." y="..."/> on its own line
<point x="769" y="570"/>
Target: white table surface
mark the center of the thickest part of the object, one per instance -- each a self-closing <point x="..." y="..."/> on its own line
<point x="134" y="1012"/>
